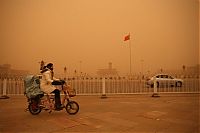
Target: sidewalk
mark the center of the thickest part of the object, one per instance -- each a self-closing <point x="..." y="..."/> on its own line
<point x="175" y="113"/>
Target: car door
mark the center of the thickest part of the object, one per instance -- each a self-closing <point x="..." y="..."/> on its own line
<point x="161" y="80"/>
<point x="172" y="81"/>
<point x="167" y="81"/>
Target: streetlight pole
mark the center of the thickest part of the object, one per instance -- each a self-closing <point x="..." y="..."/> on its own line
<point x="65" y="73"/>
<point x="142" y="65"/>
<point x="80" y="67"/>
<point x="42" y="64"/>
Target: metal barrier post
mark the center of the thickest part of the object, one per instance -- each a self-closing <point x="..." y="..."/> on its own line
<point x="155" y="89"/>
<point x="103" y="88"/>
<point x="4" y="96"/>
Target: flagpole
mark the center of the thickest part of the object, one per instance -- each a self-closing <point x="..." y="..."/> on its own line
<point x="130" y="54"/>
<point x="128" y="37"/>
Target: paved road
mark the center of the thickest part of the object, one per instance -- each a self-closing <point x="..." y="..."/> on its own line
<point x="175" y="113"/>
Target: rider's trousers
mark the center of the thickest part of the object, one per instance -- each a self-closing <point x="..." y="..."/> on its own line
<point x="57" y="98"/>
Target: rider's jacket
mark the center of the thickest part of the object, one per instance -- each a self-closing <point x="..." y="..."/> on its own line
<point x="46" y="81"/>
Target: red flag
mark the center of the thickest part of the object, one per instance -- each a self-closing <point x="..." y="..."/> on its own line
<point x="127" y="37"/>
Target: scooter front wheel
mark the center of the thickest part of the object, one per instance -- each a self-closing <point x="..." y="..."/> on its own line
<point x="72" y="107"/>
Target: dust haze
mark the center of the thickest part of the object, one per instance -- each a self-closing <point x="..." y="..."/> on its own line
<point x="85" y="35"/>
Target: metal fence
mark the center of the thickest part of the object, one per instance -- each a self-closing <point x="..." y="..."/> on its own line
<point x="94" y="86"/>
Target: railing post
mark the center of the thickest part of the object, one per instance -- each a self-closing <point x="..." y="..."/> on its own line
<point x="4" y="96"/>
<point x="103" y="88"/>
<point x="155" y="90"/>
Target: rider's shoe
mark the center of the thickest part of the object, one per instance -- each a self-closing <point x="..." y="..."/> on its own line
<point x="62" y="106"/>
<point x="59" y="108"/>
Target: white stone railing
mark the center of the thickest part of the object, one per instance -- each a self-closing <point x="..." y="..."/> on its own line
<point x="95" y="86"/>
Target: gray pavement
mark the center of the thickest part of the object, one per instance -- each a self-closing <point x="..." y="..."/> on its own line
<point x="171" y="113"/>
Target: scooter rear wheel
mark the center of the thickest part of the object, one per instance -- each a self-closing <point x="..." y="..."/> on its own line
<point x="34" y="108"/>
<point x="72" y="107"/>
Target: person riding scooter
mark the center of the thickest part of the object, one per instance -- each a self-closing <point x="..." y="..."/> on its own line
<point x="47" y="84"/>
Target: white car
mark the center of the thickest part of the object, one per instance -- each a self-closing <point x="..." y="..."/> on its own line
<point x="164" y="80"/>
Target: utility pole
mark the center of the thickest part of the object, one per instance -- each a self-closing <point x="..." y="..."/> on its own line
<point x="65" y="73"/>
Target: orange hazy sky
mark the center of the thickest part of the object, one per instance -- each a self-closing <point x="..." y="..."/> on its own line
<point x="164" y="34"/>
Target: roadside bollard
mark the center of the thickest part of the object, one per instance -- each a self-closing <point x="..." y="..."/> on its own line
<point x="155" y="89"/>
<point x="103" y="88"/>
<point x="4" y="96"/>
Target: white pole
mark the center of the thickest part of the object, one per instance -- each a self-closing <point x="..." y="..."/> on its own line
<point x="155" y="90"/>
<point x="4" y="96"/>
<point x="155" y="86"/>
<point x="103" y="88"/>
<point x="4" y="86"/>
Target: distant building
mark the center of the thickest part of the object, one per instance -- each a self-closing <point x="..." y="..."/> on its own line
<point x="6" y="71"/>
<point x="107" y="72"/>
<point x="192" y="70"/>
